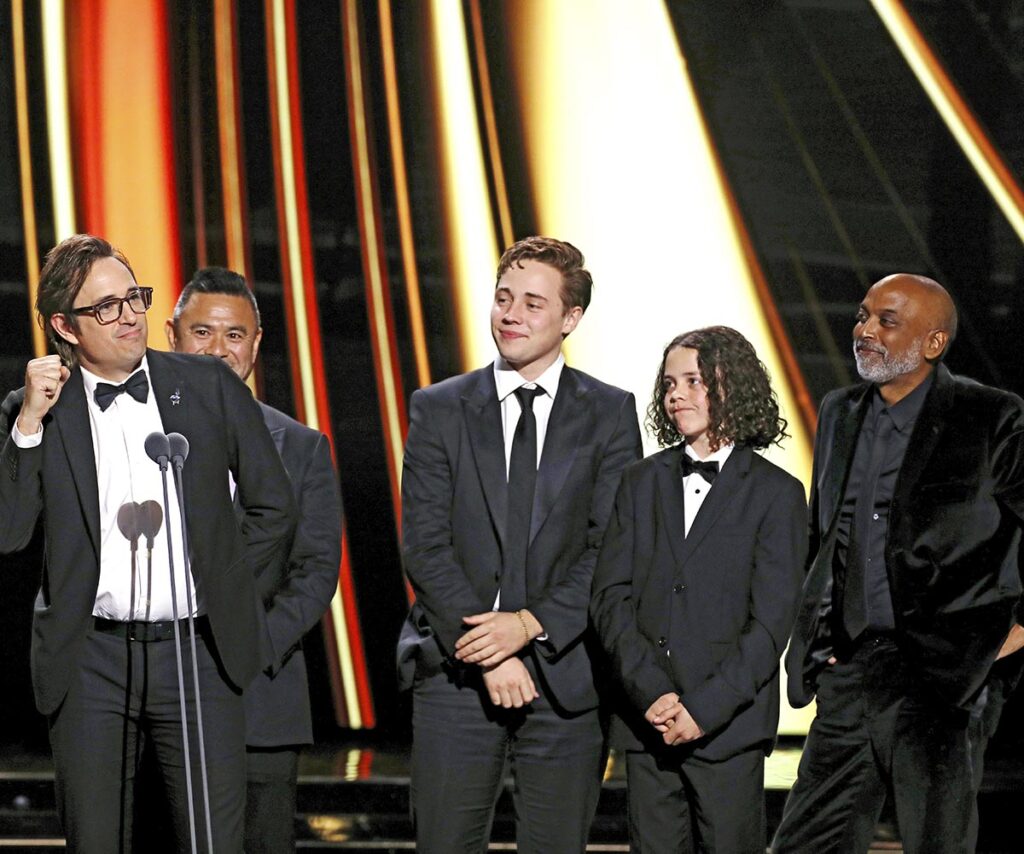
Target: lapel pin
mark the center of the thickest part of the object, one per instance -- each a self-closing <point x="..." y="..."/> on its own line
<point x="176" y="398"/>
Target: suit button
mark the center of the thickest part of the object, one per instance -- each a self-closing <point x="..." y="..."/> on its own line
<point x="662" y="641"/>
<point x="678" y="588"/>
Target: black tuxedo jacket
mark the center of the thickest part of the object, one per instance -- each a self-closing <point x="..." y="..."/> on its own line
<point x="295" y="591"/>
<point x="454" y="507"/>
<point x="202" y="399"/>
<point x="705" y="615"/>
<point x="954" y="532"/>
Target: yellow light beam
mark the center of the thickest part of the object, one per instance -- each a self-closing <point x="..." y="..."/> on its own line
<point x="472" y="243"/>
<point x="622" y="165"/>
<point x="952" y="108"/>
<point x="402" y="207"/>
<point x="389" y="372"/>
<point x="57" y="122"/>
<point x="291" y="211"/>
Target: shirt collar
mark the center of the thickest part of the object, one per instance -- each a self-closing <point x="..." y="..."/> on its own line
<point x="507" y="379"/>
<point x="719" y="456"/>
<point x="91" y="380"/>
<point x="904" y="413"/>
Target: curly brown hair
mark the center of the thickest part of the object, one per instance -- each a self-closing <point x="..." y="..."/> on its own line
<point x="577" y="283"/>
<point x="742" y="407"/>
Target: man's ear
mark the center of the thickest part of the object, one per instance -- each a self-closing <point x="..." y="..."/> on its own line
<point x="935" y="344"/>
<point x="64" y="329"/>
<point x="256" y="343"/>
<point x="570" y="319"/>
<point x="171" y="333"/>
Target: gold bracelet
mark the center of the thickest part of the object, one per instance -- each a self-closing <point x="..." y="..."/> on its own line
<point x="522" y="622"/>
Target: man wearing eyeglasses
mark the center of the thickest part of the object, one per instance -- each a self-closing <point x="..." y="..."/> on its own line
<point x="104" y="661"/>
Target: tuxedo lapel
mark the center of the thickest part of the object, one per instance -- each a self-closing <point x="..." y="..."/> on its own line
<point x="71" y="418"/>
<point x="671" y="503"/>
<point x="570" y="413"/>
<point x="726" y="485"/>
<point x="171" y="394"/>
<point x="928" y="428"/>
<point x="844" y="443"/>
<point x="482" y="412"/>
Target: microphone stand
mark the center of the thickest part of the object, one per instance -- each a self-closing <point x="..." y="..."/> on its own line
<point x="158" y="449"/>
<point x="179" y="453"/>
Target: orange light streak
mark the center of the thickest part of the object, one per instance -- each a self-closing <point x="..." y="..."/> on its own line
<point x="355" y="706"/>
<point x="28" y="208"/>
<point x="125" y="143"/>
<point x="490" y="125"/>
<point x="403" y="210"/>
<point x="378" y="303"/>
<point x="954" y="111"/>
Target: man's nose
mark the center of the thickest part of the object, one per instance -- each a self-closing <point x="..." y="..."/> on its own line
<point x="217" y="347"/>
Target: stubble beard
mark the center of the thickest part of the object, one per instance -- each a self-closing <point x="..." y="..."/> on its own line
<point x="888" y="367"/>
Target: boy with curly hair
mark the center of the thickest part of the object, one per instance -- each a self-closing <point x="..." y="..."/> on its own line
<point x="694" y="596"/>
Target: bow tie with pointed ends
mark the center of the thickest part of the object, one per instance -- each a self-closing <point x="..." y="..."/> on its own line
<point x="707" y="470"/>
<point x="137" y="385"/>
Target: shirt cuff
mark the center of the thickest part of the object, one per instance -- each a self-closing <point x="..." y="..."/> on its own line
<point x="23" y="441"/>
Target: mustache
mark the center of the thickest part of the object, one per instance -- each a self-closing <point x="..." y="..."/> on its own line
<point x="861" y="344"/>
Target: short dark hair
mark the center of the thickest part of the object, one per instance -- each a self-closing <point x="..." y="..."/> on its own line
<point x="216" y="280"/>
<point x="64" y="272"/>
<point x="742" y="407"/>
<point x="577" y="282"/>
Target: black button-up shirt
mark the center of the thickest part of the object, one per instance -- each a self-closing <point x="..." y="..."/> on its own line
<point x="864" y="517"/>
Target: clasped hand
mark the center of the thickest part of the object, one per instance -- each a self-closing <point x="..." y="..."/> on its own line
<point x="495" y="636"/>
<point x="670" y="717"/>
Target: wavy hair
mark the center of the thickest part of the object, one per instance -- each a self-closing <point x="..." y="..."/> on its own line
<point x="742" y="407"/>
<point x="577" y="283"/>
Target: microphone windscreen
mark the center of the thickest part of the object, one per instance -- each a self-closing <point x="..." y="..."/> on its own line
<point x="157" y="447"/>
<point x="179" y="446"/>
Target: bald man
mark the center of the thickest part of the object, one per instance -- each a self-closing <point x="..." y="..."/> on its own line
<point x="909" y="624"/>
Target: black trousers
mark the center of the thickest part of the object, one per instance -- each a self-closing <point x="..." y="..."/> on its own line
<point x="875" y="733"/>
<point x="679" y="803"/>
<point x="272" y="776"/>
<point x="461" y="743"/>
<point x="124" y="696"/>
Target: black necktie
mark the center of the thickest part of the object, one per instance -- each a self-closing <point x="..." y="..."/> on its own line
<point x="136" y="385"/>
<point x="522" y="478"/>
<point x="707" y="470"/>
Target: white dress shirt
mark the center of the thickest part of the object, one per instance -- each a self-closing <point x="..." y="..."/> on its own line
<point x="695" y="488"/>
<point x="125" y="473"/>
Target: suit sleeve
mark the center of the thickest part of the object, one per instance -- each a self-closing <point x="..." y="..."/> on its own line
<point x="264" y="490"/>
<point x="21" y="496"/>
<point x="779" y="554"/>
<point x="315" y="556"/>
<point x="442" y="588"/>
<point x="613" y="609"/>
<point x="562" y="608"/>
<point x="1008" y="473"/>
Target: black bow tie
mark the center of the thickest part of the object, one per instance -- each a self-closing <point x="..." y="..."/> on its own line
<point x="707" y="470"/>
<point x="136" y="385"/>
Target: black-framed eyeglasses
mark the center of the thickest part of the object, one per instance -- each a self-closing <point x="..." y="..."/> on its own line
<point x="109" y="310"/>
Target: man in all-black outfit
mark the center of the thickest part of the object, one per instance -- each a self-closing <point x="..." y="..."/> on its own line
<point x="912" y="604"/>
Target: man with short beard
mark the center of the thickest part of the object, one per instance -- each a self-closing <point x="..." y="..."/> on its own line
<point x="911" y="610"/>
